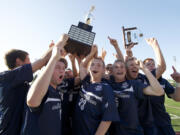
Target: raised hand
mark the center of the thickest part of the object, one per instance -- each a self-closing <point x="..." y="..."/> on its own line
<point x="64" y="37"/>
<point x="57" y="51"/>
<point x="51" y="44"/>
<point x="63" y="52"/>
<point x="60" y="47"/>
<point x="175" y="75"/>
<point x="129" y="47"/>
<point x="71" y="57"/>
<point x="79" y="58"/>
<point x="115" y="55"/>
<point x="94" y="50"/>
<point x="116" y="47"/>
<point x="103" y="55"/>
<point x="63" y="40"/>
<point x="140" y="64"/>
<point x="152" y="41"/>
<point x="113" y="41"/>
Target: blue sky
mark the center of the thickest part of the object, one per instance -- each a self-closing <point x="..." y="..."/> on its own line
<point x="32" y="24"/>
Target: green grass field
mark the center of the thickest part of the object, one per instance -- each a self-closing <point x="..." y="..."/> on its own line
<point x="173" y="108"/>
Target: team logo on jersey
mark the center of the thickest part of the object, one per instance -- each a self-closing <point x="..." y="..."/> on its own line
<point x="56" y="107"/>
<point x="98" y="88"/>
<point x="125" y="85"/>
<point x="82" y="103"/>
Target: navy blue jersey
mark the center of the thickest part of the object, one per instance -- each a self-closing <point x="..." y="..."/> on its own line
<point x="162" y="121"/>
<point x="73" y="96"/>
<point x="45" y="119"/>
<point x="127" y="97"/>
<point x="65" y="88"/>
<point x="161" y="117"/>
<point x="95" y="104"/>
<point x="145" y="108"/>
<point x="13" y="89"/>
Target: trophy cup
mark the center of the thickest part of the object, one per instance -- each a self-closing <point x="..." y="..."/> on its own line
<point x="81" y="37"/>
<point x="130" y="36"/>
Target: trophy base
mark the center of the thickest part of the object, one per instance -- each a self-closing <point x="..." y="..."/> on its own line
<point x="80" y="39"/>
<point x="78" y="48"/>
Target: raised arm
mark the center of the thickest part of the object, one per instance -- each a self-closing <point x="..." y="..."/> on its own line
<point x="84" y="64"/>
<point x="114" y="43"/>
<point x="129" y="52"/>
<point x="176" y="77"/>
<point x="77" y="79"/>
<point x="79" y="59"/>
<point x="154" y="88"/>
<point x="73" y="63"/>
<point x="161" y="64"/>
<point x="103" y="54"/>
<point x="40" y="86"/>
<point x="38" y="64"/>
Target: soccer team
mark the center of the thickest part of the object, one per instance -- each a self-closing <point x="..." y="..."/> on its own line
<point x="112" y="99"/>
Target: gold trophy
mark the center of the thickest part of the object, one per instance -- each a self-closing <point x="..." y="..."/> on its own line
<point x="81" y="37"/>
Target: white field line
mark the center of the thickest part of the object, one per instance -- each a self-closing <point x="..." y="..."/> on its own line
<point x="173" y="116"/>
<point x="172" y="107"/>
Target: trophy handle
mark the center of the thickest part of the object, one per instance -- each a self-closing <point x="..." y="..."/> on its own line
<point x="124" y="38"/>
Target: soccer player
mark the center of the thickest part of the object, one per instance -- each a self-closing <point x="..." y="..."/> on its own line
<point x="14" y="86"/>
<point x="128" y="94"/>
<point x="146" y="114"/>
<point x="162" y="119"/>
<point x="69" y="89"/>
<point x="95" y="108"/>
<point x="43" y="111"/>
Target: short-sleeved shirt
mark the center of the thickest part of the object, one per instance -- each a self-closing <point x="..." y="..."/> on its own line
<point x="45" y="119"/>
<point x="95" y="104"/>
<point x="161" y="117"/>
<point x="13" y="89"/>
<point x="145" y="108"/>
<point x="127" y="97"/>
